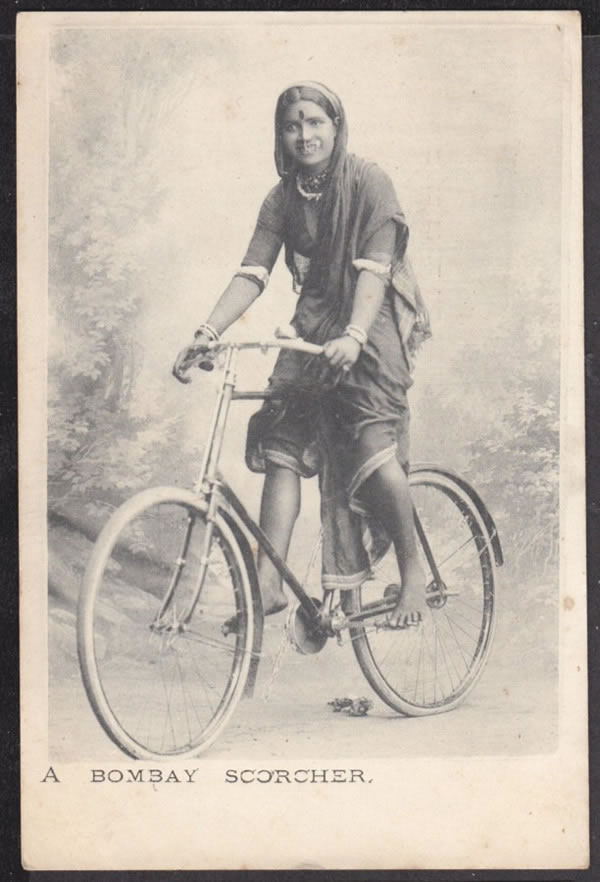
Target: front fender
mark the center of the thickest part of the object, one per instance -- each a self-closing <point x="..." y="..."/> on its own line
<point x="257" y="608"/>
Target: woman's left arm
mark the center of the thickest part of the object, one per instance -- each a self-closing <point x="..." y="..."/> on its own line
<point x="370" y="288"/>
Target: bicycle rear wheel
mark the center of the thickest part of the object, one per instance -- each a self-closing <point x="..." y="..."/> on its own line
<point x="163" y="683"/>
<point x="430" y="669"/>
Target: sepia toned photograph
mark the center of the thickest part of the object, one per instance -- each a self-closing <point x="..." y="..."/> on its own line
<point x="300" y="319"/>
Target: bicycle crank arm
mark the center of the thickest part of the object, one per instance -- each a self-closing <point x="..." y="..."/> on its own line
<point x="372" y="609"/>
<point x="377" y="608"/>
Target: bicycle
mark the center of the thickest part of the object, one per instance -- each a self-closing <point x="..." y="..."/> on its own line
<point x="170" y="618"/>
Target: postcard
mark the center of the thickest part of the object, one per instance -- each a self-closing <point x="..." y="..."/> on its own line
<point x="301" y="440"/>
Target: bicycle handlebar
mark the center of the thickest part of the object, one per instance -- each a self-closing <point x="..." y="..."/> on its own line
<point x="296" y="343"/>
<point x="274" y="343"/>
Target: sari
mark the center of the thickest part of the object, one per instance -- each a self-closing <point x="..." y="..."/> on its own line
<point x="339" y="426"/>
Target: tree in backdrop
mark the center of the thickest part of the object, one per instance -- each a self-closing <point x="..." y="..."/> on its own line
<point x="493" y="414"/>
<point x="516" y="459"/>
<point x="518" y="463"/>
<point x="111" y="102"/>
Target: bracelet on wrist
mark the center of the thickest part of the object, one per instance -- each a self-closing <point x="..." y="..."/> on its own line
<point x="208" y="331"/>
<point x="356" y="333"/>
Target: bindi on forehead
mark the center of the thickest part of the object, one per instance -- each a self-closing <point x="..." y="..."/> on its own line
<point x="300" y="110"/>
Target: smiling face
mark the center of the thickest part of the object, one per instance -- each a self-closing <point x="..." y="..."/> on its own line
<point x="308" y="135"/>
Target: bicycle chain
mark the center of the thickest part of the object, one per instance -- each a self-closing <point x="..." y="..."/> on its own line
<point x="285" y="640"/>
<point x="281" y="650"/>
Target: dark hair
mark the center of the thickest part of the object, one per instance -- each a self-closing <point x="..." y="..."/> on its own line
<point x="303" y="93"/>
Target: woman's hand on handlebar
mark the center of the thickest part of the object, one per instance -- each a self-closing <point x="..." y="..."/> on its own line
<point x="188" y="356"/>
<point x="342" y="352"/>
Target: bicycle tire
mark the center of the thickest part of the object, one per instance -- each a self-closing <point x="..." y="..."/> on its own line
<point x="402" y="665"/>
<point x="134" y="669"/>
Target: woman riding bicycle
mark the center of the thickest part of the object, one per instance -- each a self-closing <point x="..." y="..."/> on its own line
<point x="344" y="417"/>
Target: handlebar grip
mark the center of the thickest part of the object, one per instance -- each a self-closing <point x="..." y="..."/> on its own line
<point x="206" y="365"/>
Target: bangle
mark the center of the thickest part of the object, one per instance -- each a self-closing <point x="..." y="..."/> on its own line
<point x="356" y="333"/>
<point x="208" y="331"/>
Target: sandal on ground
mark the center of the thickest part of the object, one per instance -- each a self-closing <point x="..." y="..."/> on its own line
<point x="231" y="625"/>
<point x="407" y="620"/>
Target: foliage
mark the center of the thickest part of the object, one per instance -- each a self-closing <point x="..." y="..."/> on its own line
<point x="517" y="465"/>
<point x="493" y="414"/>
<point x="105" y="201"/>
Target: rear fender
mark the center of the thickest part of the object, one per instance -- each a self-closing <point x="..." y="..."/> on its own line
<point x="475" y="498"/>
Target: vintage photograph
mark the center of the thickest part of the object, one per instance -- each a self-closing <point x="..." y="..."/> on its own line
<point x="298" y="313"/>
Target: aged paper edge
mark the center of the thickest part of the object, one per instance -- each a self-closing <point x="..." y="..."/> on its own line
<point x="497" y="826"/>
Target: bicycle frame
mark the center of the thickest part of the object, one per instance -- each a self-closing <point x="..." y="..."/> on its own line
<point x="428" y="672"/>
<point x="211" y="486"/>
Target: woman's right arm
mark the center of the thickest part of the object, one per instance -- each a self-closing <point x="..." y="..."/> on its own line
<point x="246" y="285"/>
<point x="239" y="294"/>
<point x="237" y="297"/>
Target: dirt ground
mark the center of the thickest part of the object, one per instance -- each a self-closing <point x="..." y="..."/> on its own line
<point x="512" y="710"/>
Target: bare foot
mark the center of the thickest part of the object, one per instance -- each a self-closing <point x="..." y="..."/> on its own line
<point x="273" y="602"/>
<point x="411" y="604"/>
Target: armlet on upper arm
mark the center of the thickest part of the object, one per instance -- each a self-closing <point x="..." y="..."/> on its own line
<point x="382" y="271"/>
<point x="258" y="274"/>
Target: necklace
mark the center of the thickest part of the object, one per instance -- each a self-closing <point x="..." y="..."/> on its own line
<point x="311" y="186"/>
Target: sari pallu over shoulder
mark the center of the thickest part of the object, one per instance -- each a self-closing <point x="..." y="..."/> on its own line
<point x="362" y="201"/>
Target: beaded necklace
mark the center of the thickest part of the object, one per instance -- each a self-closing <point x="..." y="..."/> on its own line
<point x="311" y="186"/>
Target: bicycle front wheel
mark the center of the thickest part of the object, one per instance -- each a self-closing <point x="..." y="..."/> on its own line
<point x="163" y="675"/>
<point x="431" y="668"/>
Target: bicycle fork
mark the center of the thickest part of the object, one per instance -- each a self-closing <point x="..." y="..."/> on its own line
<point x="205" y="486"/>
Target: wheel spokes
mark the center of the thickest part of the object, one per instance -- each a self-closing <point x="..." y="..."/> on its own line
<point x="433" y="667"/>
<point x="166" y="685"/>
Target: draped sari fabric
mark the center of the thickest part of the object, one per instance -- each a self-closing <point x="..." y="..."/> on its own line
<point x="341" y="426"/>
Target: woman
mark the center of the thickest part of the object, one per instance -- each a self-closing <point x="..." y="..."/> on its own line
<point x="344" y="417"/>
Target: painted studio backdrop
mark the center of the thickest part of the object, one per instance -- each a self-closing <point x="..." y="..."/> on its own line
<point x="160" y="153"/>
